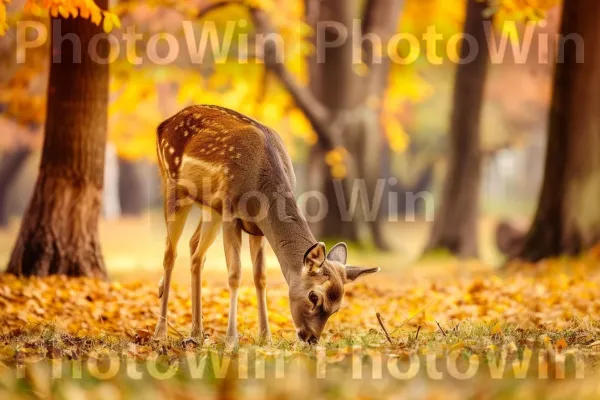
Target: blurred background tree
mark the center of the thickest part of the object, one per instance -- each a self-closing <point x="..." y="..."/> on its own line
<point x="473" y="135"/>
<point x="567" y="219"/>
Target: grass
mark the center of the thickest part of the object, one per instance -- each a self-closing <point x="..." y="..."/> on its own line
<point x="350" y="365"/>
<point x="456" y="315"/>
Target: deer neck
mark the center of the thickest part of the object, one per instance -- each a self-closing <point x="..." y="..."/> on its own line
<point x="288" y="234"/>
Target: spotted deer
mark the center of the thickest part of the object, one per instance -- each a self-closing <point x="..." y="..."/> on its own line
<point x="238" y="171"/>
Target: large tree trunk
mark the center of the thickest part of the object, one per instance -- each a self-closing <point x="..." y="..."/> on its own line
<point x="455" y="225"/>
<point x="346" y="96"/>
<point x="10" y="166"/>
<point x="59" y="233"/>
<point x="333" y="86"/>
<point x="568" y="217"/>
<point x="335" y="103"/>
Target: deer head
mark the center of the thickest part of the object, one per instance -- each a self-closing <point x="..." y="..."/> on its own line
<point x="317" y="293"/>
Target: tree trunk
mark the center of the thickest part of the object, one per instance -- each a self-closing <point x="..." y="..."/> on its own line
<point x="59" y="233"/>
<point x="334" y="105"/>
<point x="131" y="188"/>
<point x="11" y="164"/>
<point x="334" y="89"/>
<point x="347" y="95"/>
<point x="568" y="218"/>
<point x="455" y="225"/>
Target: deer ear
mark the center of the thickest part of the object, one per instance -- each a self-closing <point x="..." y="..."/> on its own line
<point x="338" y="253"/>
<point x="353" y="272"/>
<point x="315" y="256"/>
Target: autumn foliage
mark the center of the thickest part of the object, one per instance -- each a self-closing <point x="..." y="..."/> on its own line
<point x="477" y="310"/>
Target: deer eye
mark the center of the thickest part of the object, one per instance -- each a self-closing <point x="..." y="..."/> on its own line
<point x="312" y="296"/>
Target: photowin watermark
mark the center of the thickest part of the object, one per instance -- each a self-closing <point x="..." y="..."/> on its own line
<point x="356" y="362"/>
<point x="205" y="42"/>
<point x="355" y="199"/>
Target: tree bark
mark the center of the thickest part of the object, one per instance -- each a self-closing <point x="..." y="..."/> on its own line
<point x="132" y="196"/>
<point x="59" y="233"/>
<point x="335" y="90"/>
<point x="455" y="225"/>
<point x="346" y="95"/>
<point x="336" y="106"/>
<point x="568" y="218"/>
<point x="10" y="165"/>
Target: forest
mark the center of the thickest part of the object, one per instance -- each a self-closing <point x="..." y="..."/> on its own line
<point x="390" y="198"/>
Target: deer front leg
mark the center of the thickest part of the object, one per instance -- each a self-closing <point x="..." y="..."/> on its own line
<point x="201" y="241"/>
<point x="257" y="252"/>
<point x="232" y="240"/>
<point x="175" y="224"/>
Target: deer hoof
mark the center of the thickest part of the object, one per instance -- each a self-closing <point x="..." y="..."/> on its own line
<point x="160" y="332"/>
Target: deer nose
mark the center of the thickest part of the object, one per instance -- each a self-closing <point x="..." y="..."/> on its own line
<point x="307" y="337"/>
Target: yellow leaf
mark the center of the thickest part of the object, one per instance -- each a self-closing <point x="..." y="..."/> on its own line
<point x="339" y="172"/>
<point x="334" y="157"/>
<point x="397" y="136"/>
<point x="457" y="346"/>
<point x="497" y="329"/>
<point x="361" y="69"/>
<point x="114" y="18"/>
<point x="107" y="25"/>
<point x="96" y="17"/>
<point x="63" y="11"/>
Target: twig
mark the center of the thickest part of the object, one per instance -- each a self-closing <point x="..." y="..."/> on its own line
<point x="455" y="329"/>
<point x="175" y="330"/>
<point x="387" y="335"/>
<point x="441" y="329"/>
<point x="411" y="318"/>
<point x="169" y="325"/>
<point x="418" y="331"/>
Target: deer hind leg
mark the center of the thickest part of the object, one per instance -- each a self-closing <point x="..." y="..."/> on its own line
<point x="175" y="223"/>
<point x="232" y="240"/>
<point x="257" y="252"/>
<point x="203" y="238"/>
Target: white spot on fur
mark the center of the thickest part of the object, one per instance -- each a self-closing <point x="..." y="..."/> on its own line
<point x="196" y="162"/>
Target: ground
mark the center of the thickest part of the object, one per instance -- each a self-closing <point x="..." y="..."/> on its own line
<point x="436" y="310"/>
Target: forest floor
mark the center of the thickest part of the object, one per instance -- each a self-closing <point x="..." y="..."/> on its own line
<point x="454" y="330"/>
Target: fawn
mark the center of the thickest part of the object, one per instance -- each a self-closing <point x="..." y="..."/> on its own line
<point x="238" y="171"/>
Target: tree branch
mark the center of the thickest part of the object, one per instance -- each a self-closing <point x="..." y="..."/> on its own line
<point x="213" y="6"/>
<point x="314" y="111"/>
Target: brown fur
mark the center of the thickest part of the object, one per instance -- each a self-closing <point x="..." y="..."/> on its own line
<point x="232" y="147"/>
<point x="214" y="157"/>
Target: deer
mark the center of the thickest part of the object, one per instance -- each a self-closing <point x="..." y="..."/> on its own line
<point x="239" y="172"/>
